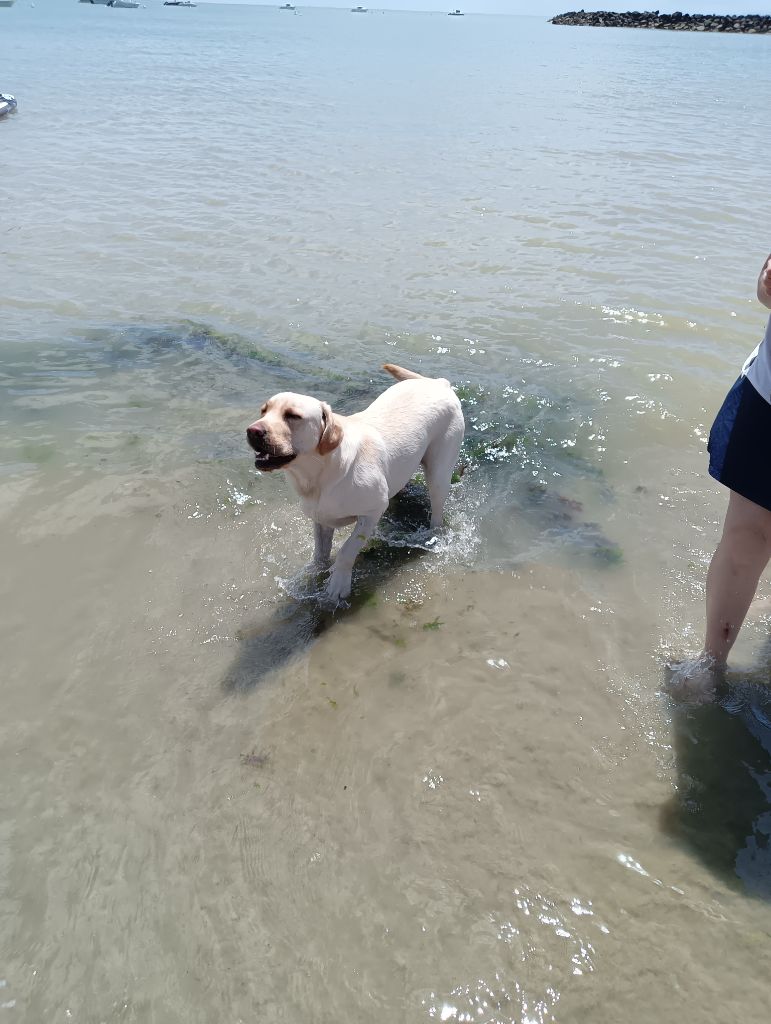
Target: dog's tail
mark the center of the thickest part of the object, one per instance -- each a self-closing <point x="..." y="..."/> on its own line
<point x="400" y="373"/>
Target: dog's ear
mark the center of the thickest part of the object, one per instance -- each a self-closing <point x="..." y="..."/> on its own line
<point x="331" y="431"/>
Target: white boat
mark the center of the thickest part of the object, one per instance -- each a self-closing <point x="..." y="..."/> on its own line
<point x="358" y="10"/>
<point x="287" y="7"/>
<point x="179" y="3"/>
<point x="456" y="13"/>
<point x="7" y="102"/>
<point x="123" y="3"/>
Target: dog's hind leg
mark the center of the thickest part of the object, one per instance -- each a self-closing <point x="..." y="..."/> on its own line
<point x="439" y="461"/>
<point x="322" y="545"/>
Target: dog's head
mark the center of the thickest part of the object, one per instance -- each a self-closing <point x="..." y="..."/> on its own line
<point x="291" y="425"/>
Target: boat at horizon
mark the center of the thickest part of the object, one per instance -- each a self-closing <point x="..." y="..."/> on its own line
<point x="179" y="3"/>
<point x="358" y="10"/>
<point x="457" y="13"/>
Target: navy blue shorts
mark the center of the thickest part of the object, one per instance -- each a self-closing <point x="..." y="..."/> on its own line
<point x="740" y="444"/>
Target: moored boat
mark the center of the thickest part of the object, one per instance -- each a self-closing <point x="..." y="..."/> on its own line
<point x="7" y="102"/>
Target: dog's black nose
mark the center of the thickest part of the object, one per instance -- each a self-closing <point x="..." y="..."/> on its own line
<point x="255" y="435"/>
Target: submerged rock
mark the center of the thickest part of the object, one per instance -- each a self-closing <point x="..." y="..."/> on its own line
<point x="677" y="22"/>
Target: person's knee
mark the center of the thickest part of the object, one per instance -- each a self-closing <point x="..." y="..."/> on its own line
<point x="748" y="544"/>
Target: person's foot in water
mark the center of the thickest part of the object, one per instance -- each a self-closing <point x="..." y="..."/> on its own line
<point x="694" y="680"/>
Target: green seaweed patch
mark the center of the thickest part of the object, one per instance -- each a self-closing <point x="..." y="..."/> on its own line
<point x="580" y="461"/>
<point x="608" y="554"/>
<point x="39" y="454"/>
<point x="235" y="344"/>
<point x="238" y="345"/>
<point x="537" y="489"/>
<point x="535" y="404"/>
<point x="433" y="624"/>
<point x="554" y="508"/>
<point x="374" y="547"/>
<point x="469" y="393"/>
<point x="496" y="449"/>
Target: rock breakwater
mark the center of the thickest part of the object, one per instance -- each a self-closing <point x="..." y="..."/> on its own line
<point x="677" y="22"/>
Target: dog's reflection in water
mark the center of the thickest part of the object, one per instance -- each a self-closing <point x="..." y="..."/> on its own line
<point x="295" y="624"/>
<point x="722" y="809"/>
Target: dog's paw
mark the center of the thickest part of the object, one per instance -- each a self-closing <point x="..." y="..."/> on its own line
<point x="338" y="586"/>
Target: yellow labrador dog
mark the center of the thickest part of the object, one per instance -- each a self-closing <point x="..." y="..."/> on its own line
<point x="346" y="468"/>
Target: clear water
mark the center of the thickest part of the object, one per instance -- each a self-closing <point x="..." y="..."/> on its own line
<point x="464" y="798"/>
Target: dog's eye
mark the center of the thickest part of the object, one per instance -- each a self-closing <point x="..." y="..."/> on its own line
<point x="264" y="409"/>
<point x="292" y="416"/>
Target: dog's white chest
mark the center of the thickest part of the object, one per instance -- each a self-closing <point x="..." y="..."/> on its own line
<point x="326" y="515"/>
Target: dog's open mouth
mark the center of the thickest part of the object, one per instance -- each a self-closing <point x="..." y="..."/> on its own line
<point x="265" y="461"/>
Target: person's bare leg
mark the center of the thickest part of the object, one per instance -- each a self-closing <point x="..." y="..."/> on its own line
<point x="736" y="567"/>
<point x="734" y="572"/>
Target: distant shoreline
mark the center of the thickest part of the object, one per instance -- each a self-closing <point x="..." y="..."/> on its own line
<point x="750" y="24"/>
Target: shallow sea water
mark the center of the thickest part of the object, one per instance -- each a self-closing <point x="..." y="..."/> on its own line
<point x="465" y="797"/>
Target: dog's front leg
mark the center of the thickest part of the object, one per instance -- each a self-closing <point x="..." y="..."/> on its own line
<point x="339" y="586"/>
<point x="322" y="545"/>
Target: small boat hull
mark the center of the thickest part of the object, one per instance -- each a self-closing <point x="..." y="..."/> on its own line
<point x="7" y="103"/>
